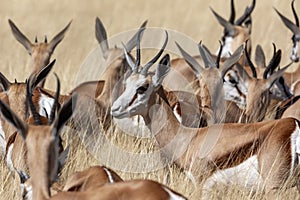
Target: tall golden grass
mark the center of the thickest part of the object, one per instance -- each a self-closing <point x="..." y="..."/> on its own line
<point x="190" y="17"/>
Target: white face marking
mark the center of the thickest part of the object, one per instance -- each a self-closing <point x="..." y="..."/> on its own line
<point x="295" y="148"/>
<point x="226" y="51"/>
<point x="245" y="174"/>
<point x="109" y="175"/>
<point x="9" y="158"/>
<point x="294" y="53"/>
<point x="45" y="104"/>
<point x="172" y="195"/>
<point x="26" y="191"/>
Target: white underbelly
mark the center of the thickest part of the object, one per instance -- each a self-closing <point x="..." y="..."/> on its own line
<point x="245" y="174"/>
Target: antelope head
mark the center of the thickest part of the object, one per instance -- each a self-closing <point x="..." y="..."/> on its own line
<point x="236" y="32"/>
<point x="258" y="95"/>
<point x="16" y="92"/>
<point x="280" y="90"/>
<point x="141" y="85"/>
<point x="294" y="27"/>
<point x="116" y="65"/>
<point x="211" y="76"/>
<point x="40" y="52"/>
<point x="114" y="57"/>
<point x="42" y="144"/>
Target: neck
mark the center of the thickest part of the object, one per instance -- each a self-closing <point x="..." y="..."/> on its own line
<point x="167" y="131"/>
<point x="111" y="85"/>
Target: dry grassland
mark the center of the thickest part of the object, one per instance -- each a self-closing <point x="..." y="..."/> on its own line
<point x="190" y="17"/>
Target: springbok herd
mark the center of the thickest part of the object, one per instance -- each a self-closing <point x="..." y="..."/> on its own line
<point x="244" y="122"/>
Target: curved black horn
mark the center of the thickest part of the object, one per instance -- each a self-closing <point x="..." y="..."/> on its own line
<point x="36" y="40"/>
<point x="250" y="62"/>
<point x="35" y="114"/>
<point x="227" y="25"/>
<point x="55" y="104"/>
<point x="288" y="23"/>
<point x="46" y="40"/>
<point x="295" y="14"/>
<point x="274" y="62"/>
<point x="232" y="14"/>
<point x="138" y="49"/>
<point x="219" y="55"/>
<point x="248" y="11"/>
<point x="153" y="60"/>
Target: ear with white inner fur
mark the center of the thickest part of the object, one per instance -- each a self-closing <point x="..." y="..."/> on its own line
<point x="62" y="159"/>
<point x="233" y="59"/>
<point x="162" y="70"/>
<point x="276" y="76"/>
<point x="243" y="73"/>
<point x="58" y="38"/>
<point x="196" y="67"/>
<point x="20" y="36"/>
<point x="260" y="58"/>
<point x="64" y="115"/>
<point x="12" y="118"/>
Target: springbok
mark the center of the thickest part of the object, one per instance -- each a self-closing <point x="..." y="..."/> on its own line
<point x="40" y="52"/>
<point x="273" y="145"/>
<point x="16" y="148"/>
<point x="90" y="179"/>
<point x="235" y="34"/>
<point x="15" y="95"/>
<point x="210" y="78"/>
<point x="294" y="56"/>
<point x="258" y="88"/>
<point x="98" y="95"/>
<point x="43" y="164"/>
<point x="42" y="149"/>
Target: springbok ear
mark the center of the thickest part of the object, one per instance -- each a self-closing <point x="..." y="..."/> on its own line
<point x="232" y="60"/>
<point x="64" y="115"/>
<point x="101" y="36"/>
<point x="196" y="67"/>
<point x="12" y="118"/>
<point x="58" y="38"/>
<point x="20" y="36"/>
<point x="4" y="82"/>
<point x="62" y="159"/>
<point x="260" y="58"/>
<point x="133" y="41"/>
<point x="288" y="23"/>
<point x="206" y="56"/>
<point x="42" y="74"/>
<point x="226" y="24"/>
<point x="246" y="15"/>
<point x="275" y="76"/>
<point x="162" y="70"/>
<point x="243" y="73"/>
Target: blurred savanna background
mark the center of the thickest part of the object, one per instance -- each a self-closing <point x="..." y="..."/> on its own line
<point x="190" y="17"/>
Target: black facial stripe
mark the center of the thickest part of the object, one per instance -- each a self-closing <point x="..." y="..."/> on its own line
<point x="133" y="99"/>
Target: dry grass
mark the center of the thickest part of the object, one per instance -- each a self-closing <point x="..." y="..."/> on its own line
<point x="190" y="17"/>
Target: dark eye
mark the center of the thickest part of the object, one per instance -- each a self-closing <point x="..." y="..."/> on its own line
<point x="142" y="89"/>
